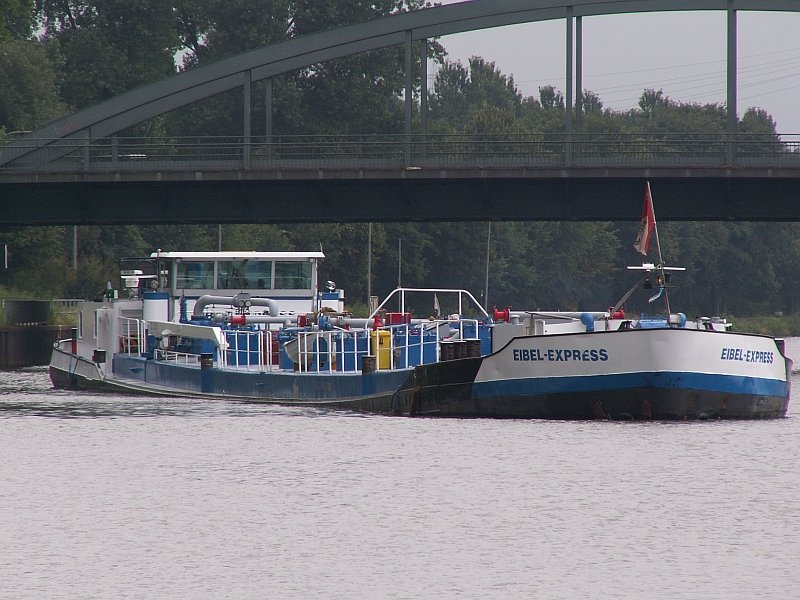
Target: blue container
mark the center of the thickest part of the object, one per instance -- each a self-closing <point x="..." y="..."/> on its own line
<point x="239" y="352"/>
<point x="285" y="335"/>
<point x="468" y="330"/>
<point x="349" y="352"/>
<point x="485" y="335"/>
<point x="421" y="348"/>
<point x="653" y="323"/>
<point x="314" y="356"/>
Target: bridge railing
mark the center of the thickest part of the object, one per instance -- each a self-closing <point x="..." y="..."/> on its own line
<point x="452" y="150"/>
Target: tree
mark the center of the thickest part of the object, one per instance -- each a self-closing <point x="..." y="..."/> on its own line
<point x="93" y="50"/>
<point x="550" y="99"/>
<point x="28" y="92"/>
<point x="38" y="265"/>
<point x="356" y="94"/>
<point x="212" y="29"/>
<point x="16" y="19"/>
<point x="651" y="100"/>
<point x="359" y="93"/>
<point x="591" y="103"/>
<point x="109" y="46"/>
<point x="460" y="93"/>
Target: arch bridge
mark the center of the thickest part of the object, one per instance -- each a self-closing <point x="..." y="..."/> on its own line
<point x="73" y="170"/>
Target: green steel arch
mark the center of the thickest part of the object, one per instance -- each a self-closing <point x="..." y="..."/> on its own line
<point x="151" y="100"/>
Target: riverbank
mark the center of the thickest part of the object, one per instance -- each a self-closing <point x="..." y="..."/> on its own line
<point x="774" y="325"/>
<point x="29" y="327"/>
<point x="25" y="346"/>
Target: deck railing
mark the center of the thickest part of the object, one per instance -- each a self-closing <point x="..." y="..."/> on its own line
<point x="184" y="358"/>
<point x="131" y="335"/>
<point x="534" y="149"/>
<point x="397" y="346"/>
<point x="249" y="350"/>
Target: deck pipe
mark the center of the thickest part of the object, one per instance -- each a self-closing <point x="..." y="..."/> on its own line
<point x="208" y="299"/>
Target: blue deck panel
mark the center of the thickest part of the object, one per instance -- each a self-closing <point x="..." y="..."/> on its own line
<point x="253" y="384"/>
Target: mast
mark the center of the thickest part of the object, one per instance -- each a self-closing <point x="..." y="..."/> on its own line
<point x="660" y="255"/>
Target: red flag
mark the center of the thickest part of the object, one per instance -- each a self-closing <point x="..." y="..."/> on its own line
<point x="642" y="243"/>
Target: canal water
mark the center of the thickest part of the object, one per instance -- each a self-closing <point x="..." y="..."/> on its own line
<point x="128" y="497"/>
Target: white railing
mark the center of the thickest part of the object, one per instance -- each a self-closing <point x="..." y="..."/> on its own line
<point x="242" y="345"/>
<point x="397" y="346"/>
<point x="311" y="357"/>
<point x="184" y="358"/>
<point x="393" y="346"/>
<point x="401" y="346"/>
<point x="131" y="335"/>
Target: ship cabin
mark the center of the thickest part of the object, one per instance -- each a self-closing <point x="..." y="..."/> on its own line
<point x="290" y="278"/>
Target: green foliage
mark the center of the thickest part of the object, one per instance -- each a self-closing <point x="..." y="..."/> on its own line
<point x="550" y="99"/>
<point x="90" y="51"/>
<point x="477" y="100"/>
<point x="37" y="262"/>
<point x="16" y="19"/>
<point x="91" y="278"/>
<point x="109" y="46"/>
<point x="210" y="30"/>
<point x="28" y="92"/>
<point x="778" y="325"/>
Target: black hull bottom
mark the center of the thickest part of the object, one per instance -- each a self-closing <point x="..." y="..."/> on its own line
<point x="62" y="380"/>
<point x="445" y="390"/>
<point x="635" y="404"/>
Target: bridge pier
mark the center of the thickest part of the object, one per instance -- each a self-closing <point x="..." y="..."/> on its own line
<point x="732" y="84"/>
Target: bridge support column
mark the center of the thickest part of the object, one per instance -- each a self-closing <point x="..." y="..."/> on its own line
<point x="247" y="118"/>
<point x="578" y="85"/>
<point x="732" y="74"/>
<point x="74" y="247"/>
<point x="423" y="101"/>
<point x="409" y="95"/>
<point x="87" y="148"/>
<point x="268" y="117"/>
<point x="114" y="149"/>
<point x="568" y="92"/>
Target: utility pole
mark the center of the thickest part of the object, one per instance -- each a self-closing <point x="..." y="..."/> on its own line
<point x="486" y="283"/>
<point x="369" y="262"/>
<point x="74" y="247"/>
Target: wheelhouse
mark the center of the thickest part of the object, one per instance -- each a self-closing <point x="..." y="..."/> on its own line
<point x="289" y="277"/>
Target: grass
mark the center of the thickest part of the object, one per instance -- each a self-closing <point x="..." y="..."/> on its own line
<point x="774" y="325"/>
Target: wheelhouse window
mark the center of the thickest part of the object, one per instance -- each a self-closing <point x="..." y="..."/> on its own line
<point x="292" y="275"/>
<point x="195" y="275"/>
<point x="245" y="275"/>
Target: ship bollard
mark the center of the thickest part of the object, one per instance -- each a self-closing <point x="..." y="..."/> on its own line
<point x="368" y="364"/>
<point x="447" y="351"/>
<point x="473" y="348"/>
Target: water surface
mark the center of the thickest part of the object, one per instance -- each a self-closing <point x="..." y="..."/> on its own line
<point x="128" y="497"/>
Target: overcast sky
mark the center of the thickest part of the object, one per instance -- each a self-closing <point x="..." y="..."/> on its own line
<point x="682" y="53"/>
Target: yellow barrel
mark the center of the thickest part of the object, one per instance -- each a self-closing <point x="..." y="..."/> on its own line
<point x="382" y="348"/>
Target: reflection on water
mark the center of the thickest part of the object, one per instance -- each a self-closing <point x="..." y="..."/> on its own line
<point x="196" y="501"/>
<point x="28" y="392"/>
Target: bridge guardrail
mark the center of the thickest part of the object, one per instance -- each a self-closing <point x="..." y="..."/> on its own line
<point x="131" y="154"/>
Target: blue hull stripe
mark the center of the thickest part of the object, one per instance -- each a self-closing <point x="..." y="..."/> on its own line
<point x="732" y="384"/>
